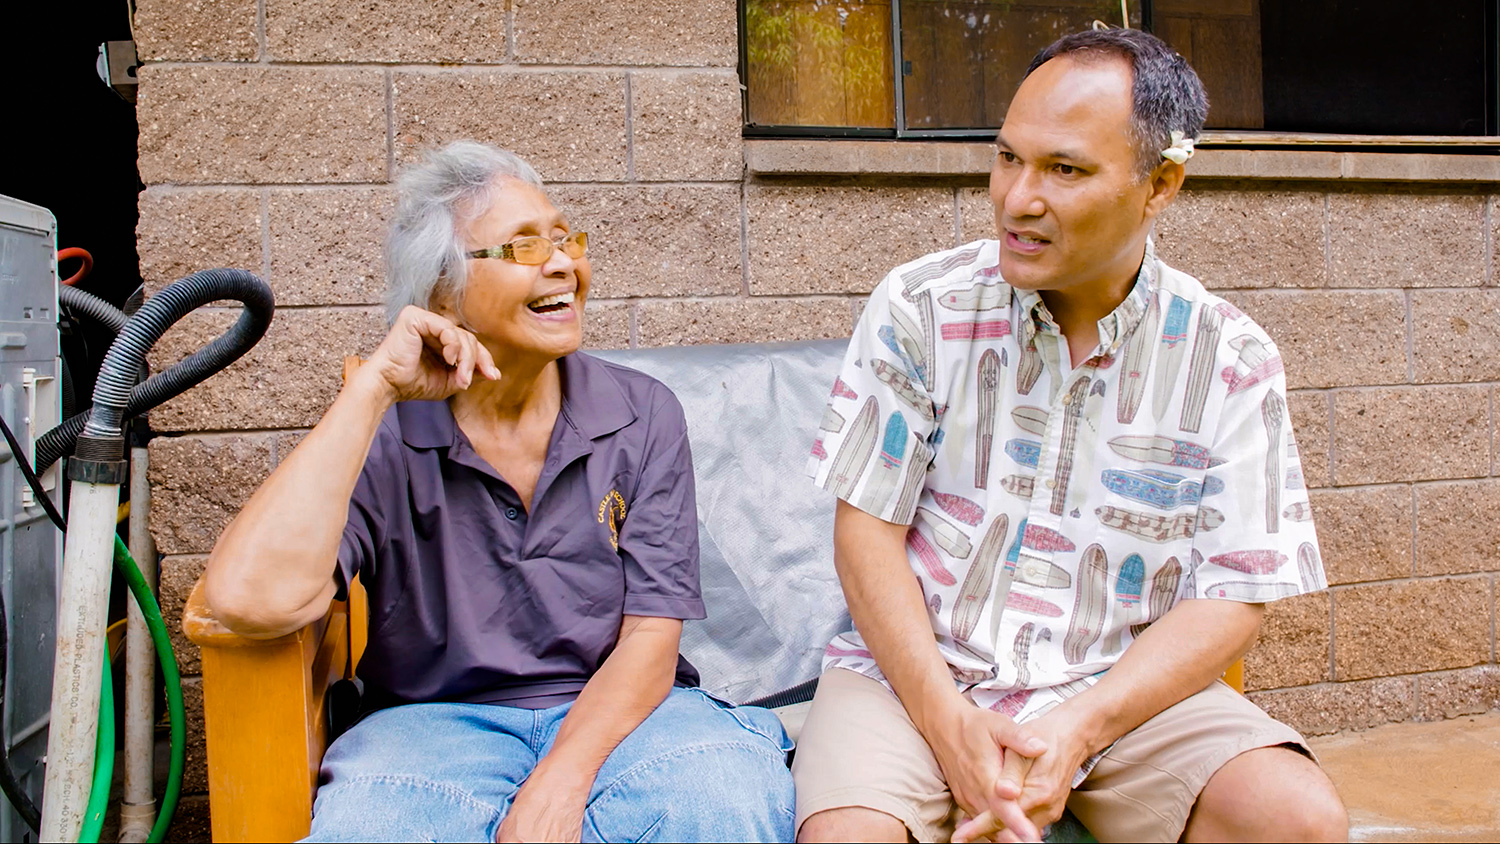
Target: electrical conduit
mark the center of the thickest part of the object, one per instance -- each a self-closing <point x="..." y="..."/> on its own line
<point x="138" y="811"/>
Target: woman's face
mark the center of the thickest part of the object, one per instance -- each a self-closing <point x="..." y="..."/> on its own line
<point x="522" y="310"/>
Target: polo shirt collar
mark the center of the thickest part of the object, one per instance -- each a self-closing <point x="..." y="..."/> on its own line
<point x="593" y="405"/>
<point x="593" y="401"/>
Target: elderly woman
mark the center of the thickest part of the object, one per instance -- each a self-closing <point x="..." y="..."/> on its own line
<point x="522" y="516"/>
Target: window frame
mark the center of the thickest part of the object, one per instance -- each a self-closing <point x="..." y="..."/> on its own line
<point x="1228" y="138"/>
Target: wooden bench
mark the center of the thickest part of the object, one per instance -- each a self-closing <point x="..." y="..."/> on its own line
<point x="264" y="700"/>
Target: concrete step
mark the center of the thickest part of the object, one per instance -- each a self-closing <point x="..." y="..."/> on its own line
<point x="1435" y="781"/>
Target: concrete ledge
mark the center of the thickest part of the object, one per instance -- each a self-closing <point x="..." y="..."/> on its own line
<point x="782" y="158"/>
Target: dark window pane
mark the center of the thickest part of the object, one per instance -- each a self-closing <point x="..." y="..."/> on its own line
<point x="1221" y="39"/>
<point x="819" y="63"/>
<point x="1376" y="66"/>
<point x="963" y="59"/>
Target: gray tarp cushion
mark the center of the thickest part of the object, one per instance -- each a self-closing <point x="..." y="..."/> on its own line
<point x="766" y="531"/>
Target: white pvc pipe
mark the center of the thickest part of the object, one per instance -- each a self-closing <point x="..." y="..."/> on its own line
<point x="138" y="812"/>
<point x="84" y="607"/>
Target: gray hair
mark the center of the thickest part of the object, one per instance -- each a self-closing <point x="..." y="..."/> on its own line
<point x="1167" y="94"/>
<point x="436" y="198"/>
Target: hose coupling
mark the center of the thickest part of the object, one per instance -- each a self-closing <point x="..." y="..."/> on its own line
<point x="98" y="460"/>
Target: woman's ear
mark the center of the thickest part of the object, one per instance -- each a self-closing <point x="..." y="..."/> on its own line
<point x="444" y="300"/>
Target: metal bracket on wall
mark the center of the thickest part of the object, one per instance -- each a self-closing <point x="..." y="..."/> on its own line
<point x="117" y="66"/>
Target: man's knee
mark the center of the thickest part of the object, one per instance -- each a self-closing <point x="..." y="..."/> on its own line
<point x="852" y="823"/>
<point x="1273" y="793"/>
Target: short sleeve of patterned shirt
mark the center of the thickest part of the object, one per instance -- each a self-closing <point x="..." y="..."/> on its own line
<point x="1056" y="511"/>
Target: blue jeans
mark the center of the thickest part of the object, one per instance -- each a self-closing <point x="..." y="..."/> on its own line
<point x="697" y="769"/>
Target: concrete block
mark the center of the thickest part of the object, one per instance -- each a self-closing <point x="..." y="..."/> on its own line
<point x="1471" y="691"/>
<point x="657" y="240"/>
<point x="180" y="232"/>
<point x="1293" y="646"/>
<point x="1364" y="533"/>
<point x="1385" y="629"/>
<point x="1455" y="335"/>
<point x="1333" y="338"/>
<point x="199" y="483"/>
<point x="196" y="30"/>
<point x="976" y="215"/>
<point x="627" y="32"/>
<point x="1246" y="238"/>
<point x="1455" y="532"/>
<point x="178" y="576"/>
<point x="569" y="125"/>
<point x="1309" y="411"/>
<point x="1406" y="240"/>
<point x="328" y="245"/>
<point x="840" y="240"/>
<point x="1394" y="434"/>
<point x="1334" y="707"/>
<point x="261" y="124"/>
<point x="606" y="325"/>
<point x="686" y="125"/>
<point x="409" y="31"/>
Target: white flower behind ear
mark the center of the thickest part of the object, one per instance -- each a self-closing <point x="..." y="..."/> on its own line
<point x="1180" y="150"/>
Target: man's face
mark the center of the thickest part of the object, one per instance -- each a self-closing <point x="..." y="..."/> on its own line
<point x="1070" y="206"/>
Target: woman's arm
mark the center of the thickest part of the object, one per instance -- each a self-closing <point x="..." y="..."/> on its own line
<point x="271" y="571"/>
<point x="633" y="681"/>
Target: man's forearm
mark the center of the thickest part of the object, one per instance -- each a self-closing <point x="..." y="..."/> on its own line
<point x="1180" y="654"/>
<point x="885" y="602"/>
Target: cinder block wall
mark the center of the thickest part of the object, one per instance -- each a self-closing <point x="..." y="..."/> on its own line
<point x="271" y="129"/>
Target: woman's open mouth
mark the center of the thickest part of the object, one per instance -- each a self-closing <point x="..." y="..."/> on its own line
<point x="552" y="304"/>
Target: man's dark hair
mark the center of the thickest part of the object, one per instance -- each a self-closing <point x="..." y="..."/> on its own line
<point x="1168" y="96"/>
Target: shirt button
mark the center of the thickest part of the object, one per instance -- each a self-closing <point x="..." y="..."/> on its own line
<point x="1052" y="484"/>
<point x="511" y="513"/>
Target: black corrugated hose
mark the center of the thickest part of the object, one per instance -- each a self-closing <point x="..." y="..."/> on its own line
<point x="116" y="395"/>
<point x="92" y="307"/>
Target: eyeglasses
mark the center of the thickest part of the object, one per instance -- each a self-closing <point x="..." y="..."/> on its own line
<point x="536" y="249"/>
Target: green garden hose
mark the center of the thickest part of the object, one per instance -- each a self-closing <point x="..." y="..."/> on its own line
<point x="104" y="751"/>
<point x="171" y="678"/>
<point x="104" y="761"/>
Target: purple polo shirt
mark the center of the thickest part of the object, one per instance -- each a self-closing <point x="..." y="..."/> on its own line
<point x="474" y="599"/>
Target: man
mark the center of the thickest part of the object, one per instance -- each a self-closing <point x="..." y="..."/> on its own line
<point x="1086" y="460"/>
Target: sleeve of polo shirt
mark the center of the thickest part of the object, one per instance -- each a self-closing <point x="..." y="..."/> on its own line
<point x="872" y="444"/>
<point x="659" y="537"/>
<point x="365" y="528"/>
<point x="1255" y="540"/>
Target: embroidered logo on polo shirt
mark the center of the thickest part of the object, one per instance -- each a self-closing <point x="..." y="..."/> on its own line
<point x="613" y="508"/>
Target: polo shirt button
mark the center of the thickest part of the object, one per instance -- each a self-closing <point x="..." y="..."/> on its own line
<point x="511" y="513"/>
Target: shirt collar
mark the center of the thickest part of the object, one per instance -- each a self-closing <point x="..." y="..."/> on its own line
<point x="593" y="404"/>
<point x="1116" y="326"/>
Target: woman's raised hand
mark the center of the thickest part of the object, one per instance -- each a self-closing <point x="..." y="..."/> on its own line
<point x="428" y="356"/>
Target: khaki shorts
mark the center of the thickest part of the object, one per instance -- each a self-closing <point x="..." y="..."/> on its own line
<point x="859" y="748"/>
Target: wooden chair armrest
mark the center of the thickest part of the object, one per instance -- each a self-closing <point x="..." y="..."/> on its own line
<point x="264" y="720"/>
<point x="1235" y="676"/>
<point x="206" y="631"/>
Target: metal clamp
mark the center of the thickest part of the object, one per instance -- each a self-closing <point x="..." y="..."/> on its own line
<point x="97" y="471"/>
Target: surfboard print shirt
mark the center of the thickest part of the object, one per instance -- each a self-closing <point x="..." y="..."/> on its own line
<point x="1056" y="511"/>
